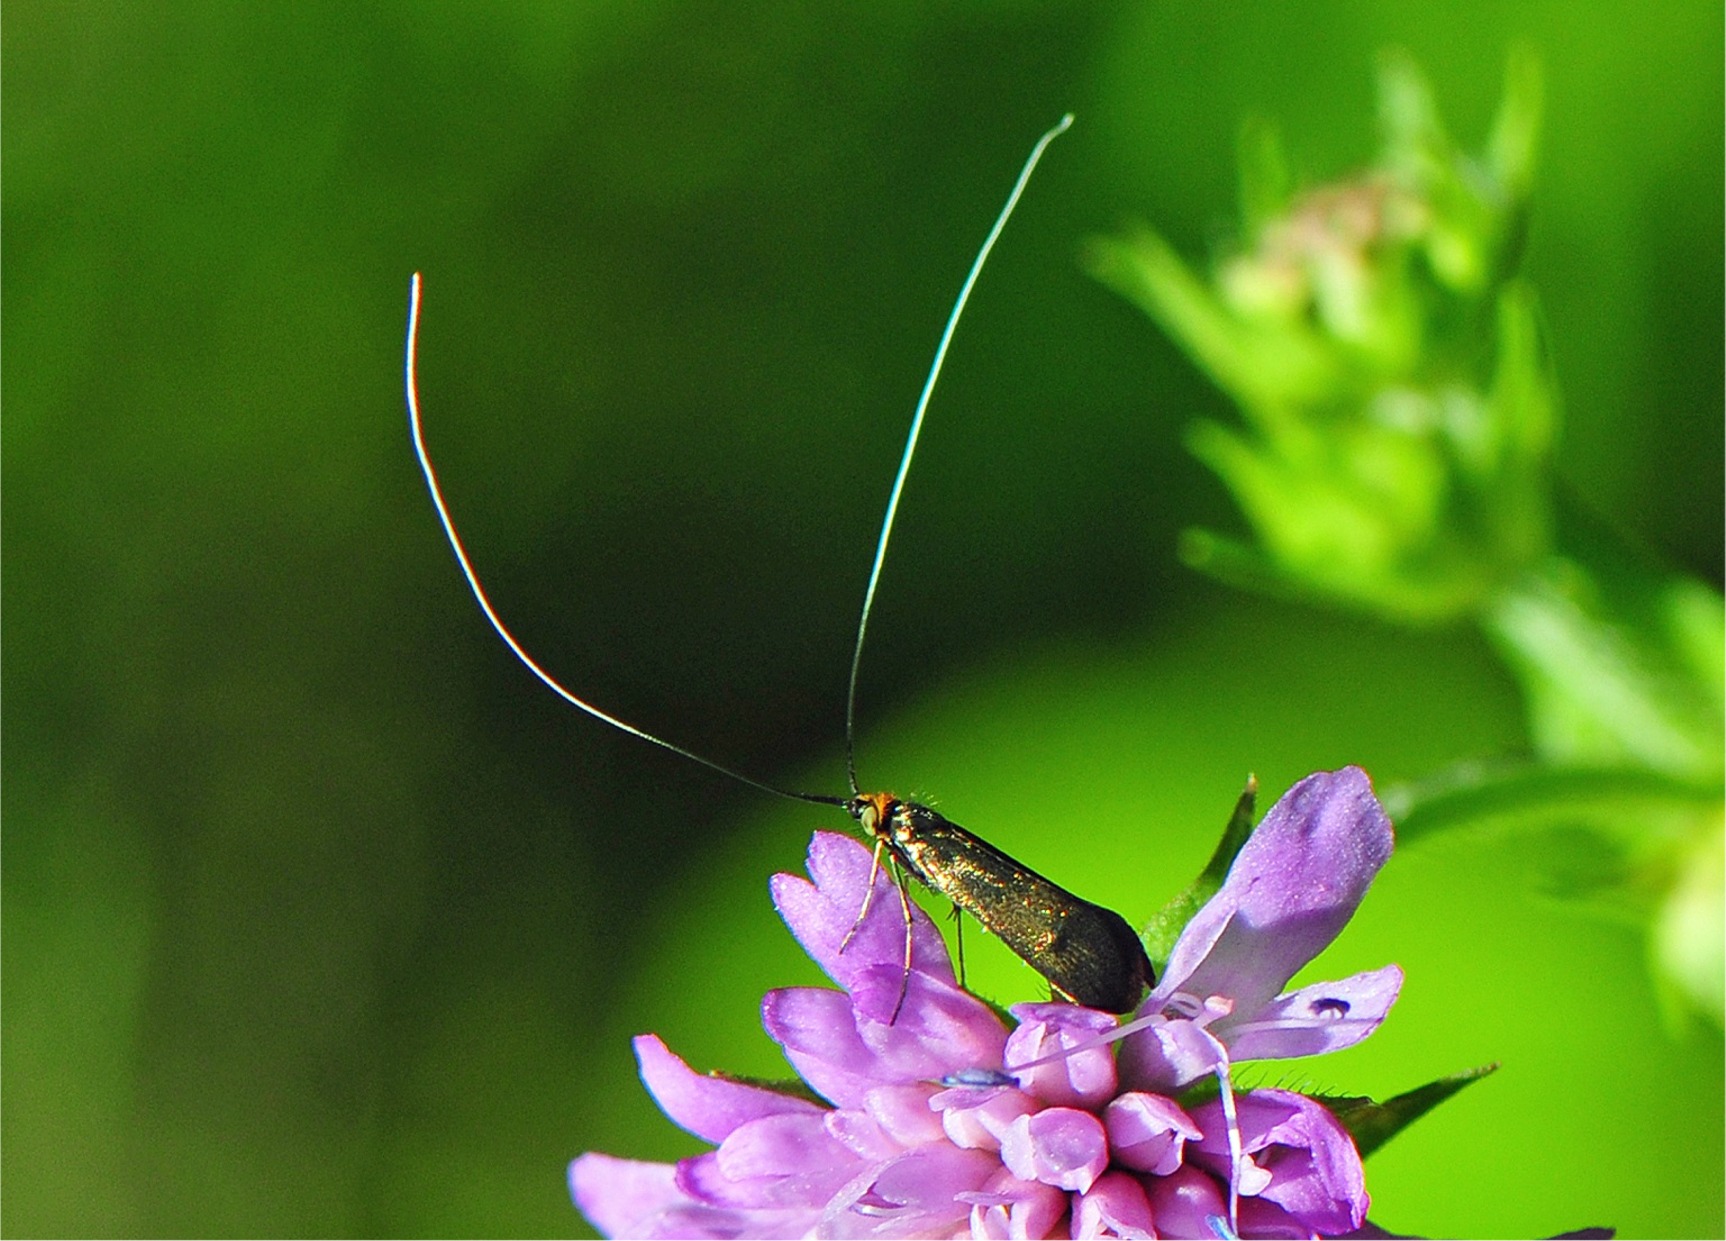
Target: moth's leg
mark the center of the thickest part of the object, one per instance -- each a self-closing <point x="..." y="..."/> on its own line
<point x="905" y="907"/>
<point x="959" y="940"/>
<point x="868" y="896"/>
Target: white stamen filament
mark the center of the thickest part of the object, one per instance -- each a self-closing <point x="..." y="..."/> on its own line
<point x="1188" y="1007"/>
<point x="1231" y="1122"/>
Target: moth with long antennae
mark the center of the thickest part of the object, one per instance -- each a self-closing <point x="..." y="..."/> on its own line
<point x="1088" y="954"/>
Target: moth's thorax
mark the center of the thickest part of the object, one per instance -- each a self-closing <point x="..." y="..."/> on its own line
<point x="935" y="866"/>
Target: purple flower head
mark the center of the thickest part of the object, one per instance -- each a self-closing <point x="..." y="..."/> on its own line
<point x="943" y="1122"/>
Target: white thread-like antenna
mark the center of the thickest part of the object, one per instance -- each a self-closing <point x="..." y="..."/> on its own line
<point x="485" y="602"/>
<point x="911" y="442"/>
<point x="551" y="682"/>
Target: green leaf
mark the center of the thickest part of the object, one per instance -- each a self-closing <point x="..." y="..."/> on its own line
<point x="1373" y="1124"/>
<point x="1165" y="928"/>
<point x="1694" y="624"/>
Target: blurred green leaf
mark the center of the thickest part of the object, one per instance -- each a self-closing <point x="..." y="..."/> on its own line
<point x="1606" y="661"/>
<point x="1634" y="837"/>
<point x="1621" y="801"/>
<point x="1513" y="146"/>
<point x="1261" y="369"/>
<point x="1265" y="182"/>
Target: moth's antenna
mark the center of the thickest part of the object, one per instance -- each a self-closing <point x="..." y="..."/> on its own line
<point x="916" y="429"/>
<point x="485" y="602"/>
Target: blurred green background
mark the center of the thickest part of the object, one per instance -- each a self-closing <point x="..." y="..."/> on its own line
<point x="321" y="917"/>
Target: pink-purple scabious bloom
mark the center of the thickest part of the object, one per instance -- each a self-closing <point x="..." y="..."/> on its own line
<point x="945" y="1122"/>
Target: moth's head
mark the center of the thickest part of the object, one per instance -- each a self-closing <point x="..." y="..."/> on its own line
<point x="873" y="812"/>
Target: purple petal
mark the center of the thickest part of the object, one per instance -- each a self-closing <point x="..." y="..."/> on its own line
<point x="918" y="1194"/>
<point x="842" y="1055"/>
<point x="862" y="1135"/>
<point x="699" y="1223"/>
<point x="1325" y="1189"/>
<point x="1116" y="1206"/>
<point x="1166" y="1055"/>
<point x="770" y="1168"/>
<point x="1259" y="1218"/>
<point x="931" y="1179"/>
<point x="1185" y="1203"/>
<point x="783" y="1146"/>
<point x="1292" y="887"/>
<point x="906" y="1114"/>
<point x="1085" y="1078"/>
<point x="940" y="1030"/>
<point x="626" y="1198"/>
<point x="1012" y="1209"/>
<point x="818" y="1031"/>
<point x="978" y="1118"/>
<point x="708" y="1107"/>
<point x="1326" y="1016"/>
<point x="1370" y="1231"/>
<point x="822" y="914"/>
<point x="1313" y="1168"/>
<point x="619" y="1196"/>
<point x="769" y="1171"/>
<point x="1147" y="1132"/>
<point x="880" y="992"/>
<point x="1060" y="1146"/>
<point x="703" y="1181"/>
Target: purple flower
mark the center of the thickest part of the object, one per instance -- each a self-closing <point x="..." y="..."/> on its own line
<point x="946" y="1123"/>
<point x="1293" y="886"/>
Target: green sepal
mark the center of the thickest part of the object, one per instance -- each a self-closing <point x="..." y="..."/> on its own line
<point x="1166" y="926"/>
<point x="793" y="1088"/>
<point x="1203" y="1091"/>
<point x="1000" y="1010"/>
<point x="1372" y="1124"/>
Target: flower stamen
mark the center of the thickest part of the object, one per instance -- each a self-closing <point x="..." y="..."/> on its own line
<point x="1231" y="1124"/>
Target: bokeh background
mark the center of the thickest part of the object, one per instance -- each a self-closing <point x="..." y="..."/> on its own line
<point x="321" y="917"/>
